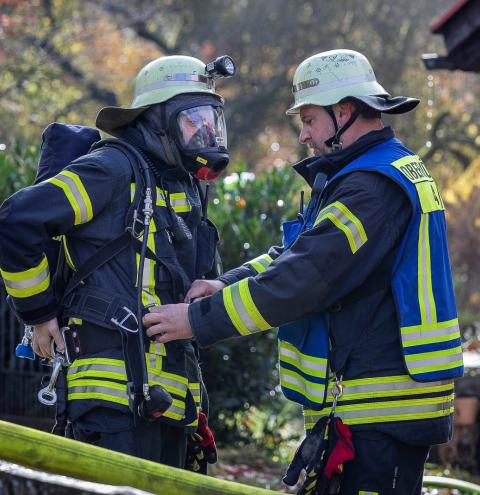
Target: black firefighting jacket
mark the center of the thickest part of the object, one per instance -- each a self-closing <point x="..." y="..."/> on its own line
<point x="84" y="207"/>
<point x="320" y="272"/>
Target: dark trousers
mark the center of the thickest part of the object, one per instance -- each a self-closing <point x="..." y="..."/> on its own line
<point x="383" y="466"/>
<point x="156" y="442"/>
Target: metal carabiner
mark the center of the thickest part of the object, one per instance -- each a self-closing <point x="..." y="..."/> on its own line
<point x="337" y="392"/>
<point x="48" y="395"/>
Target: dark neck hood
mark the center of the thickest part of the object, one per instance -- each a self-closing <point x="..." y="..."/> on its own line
<point x="332" y="163"/>
<point x="142" y="135"/>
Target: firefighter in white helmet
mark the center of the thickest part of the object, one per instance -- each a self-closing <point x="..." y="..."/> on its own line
<point x="361" y="291"/>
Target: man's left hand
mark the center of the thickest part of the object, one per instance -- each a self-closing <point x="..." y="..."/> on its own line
<point x="169" y="322"/>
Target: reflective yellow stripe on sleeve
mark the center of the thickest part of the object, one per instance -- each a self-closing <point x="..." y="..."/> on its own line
<point x="346" y="221"/>
<point x="261" y="263"/>
<point x="71" y="184"/>
<point x="29" y="282"/>
<point x="241" y="309"/>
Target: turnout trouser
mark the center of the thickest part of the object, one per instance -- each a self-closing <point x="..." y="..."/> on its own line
<point x="156" y="442"/>
<point x="383" y="466"/>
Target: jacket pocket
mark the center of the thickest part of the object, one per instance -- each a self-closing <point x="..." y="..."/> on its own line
<point x="207" y="239"/>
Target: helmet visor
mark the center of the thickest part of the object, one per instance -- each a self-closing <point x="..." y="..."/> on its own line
<point x="202" y="127"/>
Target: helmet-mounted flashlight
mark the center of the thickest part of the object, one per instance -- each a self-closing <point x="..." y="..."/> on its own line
<point x="221" y="67"/>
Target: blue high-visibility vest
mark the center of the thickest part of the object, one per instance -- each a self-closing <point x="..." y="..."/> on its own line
<point x="421" y="284"/>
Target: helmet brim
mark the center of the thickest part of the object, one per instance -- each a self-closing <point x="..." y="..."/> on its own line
<point x="390" y="105"/>
<point x="384" y="104"/>
<point x="111" y="119"/>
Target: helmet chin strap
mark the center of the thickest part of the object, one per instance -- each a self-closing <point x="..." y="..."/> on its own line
<point x="334" y="142"/>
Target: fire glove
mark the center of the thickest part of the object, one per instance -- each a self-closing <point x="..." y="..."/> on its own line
<point x="201" y="449"/>
<point x="322" y="454"/>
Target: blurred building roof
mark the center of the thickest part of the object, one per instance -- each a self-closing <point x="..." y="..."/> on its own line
<point x="460" y="27"/>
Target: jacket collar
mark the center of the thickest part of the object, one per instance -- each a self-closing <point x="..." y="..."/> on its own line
<point x="332" y="163"/>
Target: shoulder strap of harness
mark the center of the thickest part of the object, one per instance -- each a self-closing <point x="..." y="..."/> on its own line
<point x="117" y="245"/>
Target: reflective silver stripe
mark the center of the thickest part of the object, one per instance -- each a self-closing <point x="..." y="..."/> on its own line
<point x="344" y="220"/>
<point x="430" y="334"/>
<point x="376" y="410"/>
<point x="261" y="263"/>
<point x="388" y="387"/>
<point x="241" y="310"/>
<point x="195" y="390"/>
<point x="318" y="369"/>
<point x="179" y="79"/>
<point x="179" y="202"/>
<point x="305" y="88"/>
<point x="169" y="382"/>
<point x="84" y="217"/>
<point x="175" y="410"/>
<point x="97" y="389"/>
<point x="423" y="261"/>
<point x="301" y="385"/>
<point x="385" y="411"/>
<point x="147" y="272"/>
<point x="153" y="360"/>
<point x="426" y="362"/>
<point x="29" y="282"/>
<point x="97" y="367"/>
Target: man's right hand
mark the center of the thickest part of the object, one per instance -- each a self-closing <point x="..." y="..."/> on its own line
<point x="203" y="288"/>
<point x="42" y="338"/>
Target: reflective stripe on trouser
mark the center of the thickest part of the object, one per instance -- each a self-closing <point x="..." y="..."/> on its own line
<point x="260" y="263"/>
<point x="390" y="398"/>
<point x="71" y="184"/>
<point x="28" y="282"/>
<point x="174" y="384"/>
<point x="302" y="373"/>
<point x="346" y="221"/>
<point x="242" y="310"/>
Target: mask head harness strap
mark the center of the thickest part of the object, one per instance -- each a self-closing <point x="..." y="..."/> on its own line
<point x="334" y="142"/>
<point x="170" y="151"/>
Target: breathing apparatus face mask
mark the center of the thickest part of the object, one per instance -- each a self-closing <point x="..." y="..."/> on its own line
<point x="202" y="127"/>
<point x="201" y="136"/>
<point x="192" y="130"/>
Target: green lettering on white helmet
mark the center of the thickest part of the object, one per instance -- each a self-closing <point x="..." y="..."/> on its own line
<point x="328" y="77"/>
